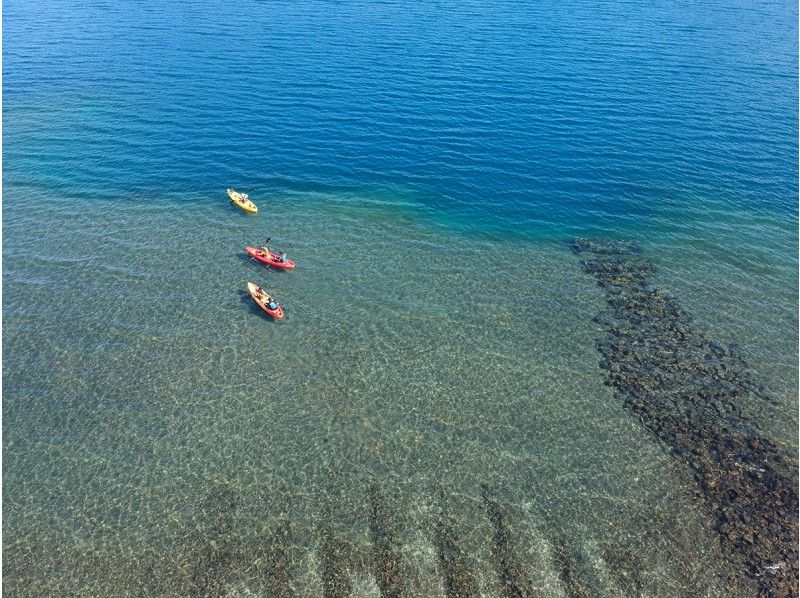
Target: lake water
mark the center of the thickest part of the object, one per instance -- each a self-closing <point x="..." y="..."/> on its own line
<point x="425" y="165"/>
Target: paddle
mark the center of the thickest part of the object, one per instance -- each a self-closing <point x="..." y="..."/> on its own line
<point x="277" y="251"/>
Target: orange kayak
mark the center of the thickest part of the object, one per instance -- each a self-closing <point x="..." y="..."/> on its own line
<point x="263" y="299"/>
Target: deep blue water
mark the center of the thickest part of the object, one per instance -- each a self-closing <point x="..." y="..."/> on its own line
<point x="447" y="151"/>
<point x="536" y="117"/>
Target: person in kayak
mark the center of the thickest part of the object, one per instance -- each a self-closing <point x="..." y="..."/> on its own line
<point x="271" y="303"/>
<point x="283" y="259"/>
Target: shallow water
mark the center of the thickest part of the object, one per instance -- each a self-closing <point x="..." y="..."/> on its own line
<point x="425" y="168"/>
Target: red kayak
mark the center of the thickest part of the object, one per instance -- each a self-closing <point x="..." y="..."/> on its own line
<point x="268" y="258"/>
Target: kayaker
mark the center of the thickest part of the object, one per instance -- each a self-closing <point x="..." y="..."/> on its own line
<point x="283" y="259"/>
<point x="267" y="298"/>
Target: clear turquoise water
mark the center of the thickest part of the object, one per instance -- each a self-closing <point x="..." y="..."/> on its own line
<point x="424" y="165"/>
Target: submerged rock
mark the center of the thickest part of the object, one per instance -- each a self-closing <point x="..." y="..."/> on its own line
<point x="689" y="390"/>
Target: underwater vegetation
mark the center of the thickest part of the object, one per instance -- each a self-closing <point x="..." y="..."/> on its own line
<point x="459" y="581"/>
<point x="692" y="394"/>
<point x="509" y="569"/>
<point x="387" y="548"/>
<point x="217" y="562"/>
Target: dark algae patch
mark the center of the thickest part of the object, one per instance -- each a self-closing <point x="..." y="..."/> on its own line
<point x="215" y="562"/>
<point x="278" y="559"/>
<point x="626" y="568"/>
<point x="383" y="525"/>
<point x="691" y="393"/>
<point x="459" y="581"/>
<point x="334" y="549"/>
<point x="509" y="568"/>
<point x="335" y="571"/>
<point x="564" y="564"/>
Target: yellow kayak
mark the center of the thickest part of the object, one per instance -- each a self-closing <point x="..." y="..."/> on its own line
<point x="241" y="200"/>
